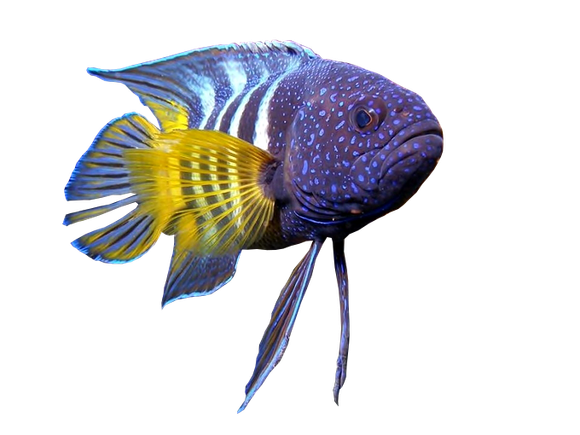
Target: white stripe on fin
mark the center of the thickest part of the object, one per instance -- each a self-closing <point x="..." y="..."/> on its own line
<point x="206" y="94"/>
<point x="237" y="118"/>
<point x="167" y="85"/>
<point x="261" y="138"/>
<point x="238" y="79"/>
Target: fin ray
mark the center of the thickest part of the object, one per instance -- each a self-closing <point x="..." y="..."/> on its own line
<point x="122" y="241"/>
<point x="212" y="186"/>
<point x="82" y="215"/>
<point x="103" y="171"/>
<point x="342" y="280"/>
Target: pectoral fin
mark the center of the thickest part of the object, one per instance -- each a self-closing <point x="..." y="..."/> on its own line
<point x="213" y="183"/>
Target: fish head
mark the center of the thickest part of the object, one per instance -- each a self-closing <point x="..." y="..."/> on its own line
<point x="359" y="147"/>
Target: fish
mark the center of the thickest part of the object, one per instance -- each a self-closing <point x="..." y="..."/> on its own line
<point x="260" y="145"/>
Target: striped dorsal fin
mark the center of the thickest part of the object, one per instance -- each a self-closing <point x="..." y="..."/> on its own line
<point x="194" y="89"/>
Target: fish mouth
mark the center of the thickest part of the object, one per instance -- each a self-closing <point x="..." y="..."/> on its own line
<point x="412" y="151"/>
<point x="401" y="166"/>
<point x="426" y="127"/>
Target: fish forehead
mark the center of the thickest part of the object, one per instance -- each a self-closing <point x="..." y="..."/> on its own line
<point x="322" y="129"/>
<point x="320" y="83"/>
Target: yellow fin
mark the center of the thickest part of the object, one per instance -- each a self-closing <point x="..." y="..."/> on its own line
<point x="211" y="184"/>
<point x="171" y="115"/>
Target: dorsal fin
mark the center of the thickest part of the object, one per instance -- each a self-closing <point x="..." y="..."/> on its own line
<point x="182" y="90"/>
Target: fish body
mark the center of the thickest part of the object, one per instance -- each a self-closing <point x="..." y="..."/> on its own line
<point x="259" y="146"/>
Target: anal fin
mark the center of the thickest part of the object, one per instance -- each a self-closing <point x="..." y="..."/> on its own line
<point x="193" y="274"/>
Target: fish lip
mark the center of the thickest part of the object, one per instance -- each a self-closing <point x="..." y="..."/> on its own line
<point x="422" y="129"/>
<point x="417" y="129"/>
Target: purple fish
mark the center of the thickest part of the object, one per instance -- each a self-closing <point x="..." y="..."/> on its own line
<point x="260" y="146"/>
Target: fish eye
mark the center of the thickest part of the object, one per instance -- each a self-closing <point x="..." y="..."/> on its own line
<point x="362" y="118"/>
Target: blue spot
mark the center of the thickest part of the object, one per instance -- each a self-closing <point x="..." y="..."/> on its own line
<point x="333" y="97"/>
<point x="321" y="132"/>
<point x="341" y="139"/>
<point x="311" y="141"/>
<point x="416" y="145"/>
<point x="339" y="125"/>
<point x="333" y="188"/>
<point x="322" y="113"/>
<point x="305" y="167"/>
<point x="322" y="91"/>
<point x="397" y="121"/>
<point x="361" y="178"/>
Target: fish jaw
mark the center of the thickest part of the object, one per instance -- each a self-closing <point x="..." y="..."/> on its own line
<point x="401" y="166"/>
<point x="388" y="176"/>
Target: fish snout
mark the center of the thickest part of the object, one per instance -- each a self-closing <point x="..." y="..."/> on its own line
<point x="403" y="163"/>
